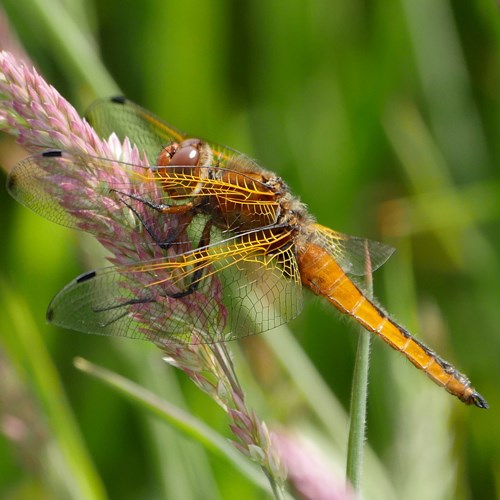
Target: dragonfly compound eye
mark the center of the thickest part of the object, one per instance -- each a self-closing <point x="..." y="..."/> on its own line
<point x="181" y="175"/>
<point x="187" y="153"/>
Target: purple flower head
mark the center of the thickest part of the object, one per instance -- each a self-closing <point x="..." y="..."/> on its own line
<point x="99" y="186"/>
<point x="309" y="474"/>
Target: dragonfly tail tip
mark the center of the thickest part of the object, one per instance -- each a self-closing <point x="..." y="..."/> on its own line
<point x="479" y="401"/>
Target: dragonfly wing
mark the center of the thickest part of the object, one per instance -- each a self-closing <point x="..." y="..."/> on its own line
<point x="352" y="252"/>
<point x="151" y="134"/>
<point x="33" y="182"/>
<point x="127" y="119"/>
<point x="263" y="292"/>
<point x="104" y="196"/>
<point x="82" y="191"/>
<point x="114" y="302"/>
<point x="234" y="284"/>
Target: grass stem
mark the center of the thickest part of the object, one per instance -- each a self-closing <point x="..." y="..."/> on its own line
<point x="359" y="396"/>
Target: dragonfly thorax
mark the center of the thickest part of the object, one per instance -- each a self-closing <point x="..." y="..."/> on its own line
<point x="231" y="188"/>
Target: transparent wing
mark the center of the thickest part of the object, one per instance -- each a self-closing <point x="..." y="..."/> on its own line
<point x="144" y="129"/>
<point x="126" y="119"/>
<point x="189" y="298"/>
<point x="76" y="190"/>
<point x="97" y="194"/>
<point x="350" y="252"/>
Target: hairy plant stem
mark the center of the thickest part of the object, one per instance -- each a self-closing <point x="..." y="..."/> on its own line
<point x="359" y="396"/>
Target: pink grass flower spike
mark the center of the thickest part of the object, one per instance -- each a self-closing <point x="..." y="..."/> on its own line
<point x="73" y="179"/>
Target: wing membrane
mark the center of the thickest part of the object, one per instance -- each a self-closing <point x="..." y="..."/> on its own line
<point x="350" y="252"/>
<point x="79" y="190"/>
<point x="97" y="194"/>
<point x="127" y="119"/>
<point x="238" y="283"/>
<point x="144" y="129"/>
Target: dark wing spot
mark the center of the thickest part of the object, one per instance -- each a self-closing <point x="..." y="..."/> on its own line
<point x="49" y="315"/>
<point x="85" y="277"/>
<point x="119" y="99"/>
<point x="52" y="153"/>
<point x="11" y="183"/>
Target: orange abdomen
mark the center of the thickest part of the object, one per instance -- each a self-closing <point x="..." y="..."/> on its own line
<point x="323" y="276"/>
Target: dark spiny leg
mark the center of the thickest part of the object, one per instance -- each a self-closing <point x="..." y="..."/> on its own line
<point x="146" y="226"/>
<point x="159" y="207"/>
<point x="161" y="243"/>
<point x="123" y="304"/>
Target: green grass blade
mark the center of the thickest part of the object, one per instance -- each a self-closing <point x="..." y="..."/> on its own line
<point x="23" y="343"/>
<point x="181" y="420"/>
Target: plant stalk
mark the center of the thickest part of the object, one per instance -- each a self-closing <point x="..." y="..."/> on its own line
<point x="359" y="396"/>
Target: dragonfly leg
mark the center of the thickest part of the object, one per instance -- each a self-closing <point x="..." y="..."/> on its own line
<point x="174" y="236"/>
<point x="195" y="281"/>
<point x="125" y="312"/>
<point x="193" y="286"/>
<point x="159" y="207"/>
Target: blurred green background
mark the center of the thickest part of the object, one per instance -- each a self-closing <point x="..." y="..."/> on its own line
<point x="385" y="118"/>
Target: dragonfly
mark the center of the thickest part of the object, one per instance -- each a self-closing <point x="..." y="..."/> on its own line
<point x="227" y="248"/>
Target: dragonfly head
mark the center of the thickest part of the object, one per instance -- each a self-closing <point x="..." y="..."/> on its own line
<point x="182" y="167"/>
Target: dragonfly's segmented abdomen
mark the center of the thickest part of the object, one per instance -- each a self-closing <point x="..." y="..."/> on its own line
<point x="323" y="276"/>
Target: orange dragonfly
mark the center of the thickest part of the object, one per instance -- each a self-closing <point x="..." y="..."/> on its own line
<point x="224" y="247"/>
